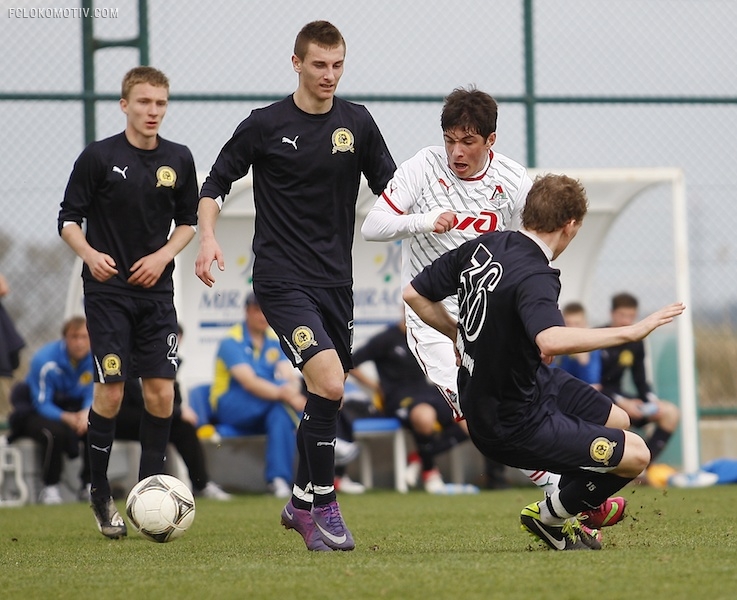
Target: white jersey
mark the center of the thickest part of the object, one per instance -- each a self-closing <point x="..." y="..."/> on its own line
<point x="425" y="186"/>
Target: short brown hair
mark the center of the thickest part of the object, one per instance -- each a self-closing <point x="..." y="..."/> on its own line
<point x="624" y="300"/>
<point x="73" y="323"/>
<point x="143" y="75"/>
<point x="553" y="201"/>
<point x="573" y="308"/>
<point x="470" y="109"/>
<point x="322" y="33"/>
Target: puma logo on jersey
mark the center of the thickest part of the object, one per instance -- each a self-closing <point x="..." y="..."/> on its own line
<point x="286" y="140"/>
<point x="445" y="185"/>
<point x="121" y="171"/>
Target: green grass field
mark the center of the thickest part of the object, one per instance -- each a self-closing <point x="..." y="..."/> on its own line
<point x="673" y="544"/>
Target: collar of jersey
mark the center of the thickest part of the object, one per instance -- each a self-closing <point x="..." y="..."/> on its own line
<point x="482" y="173"/>
<point x="543" y="246"/>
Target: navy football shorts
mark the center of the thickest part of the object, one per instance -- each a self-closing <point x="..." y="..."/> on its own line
<point x="132" y="337"/>
<point x="309" y="320"/>
<point x="571" y="438"/>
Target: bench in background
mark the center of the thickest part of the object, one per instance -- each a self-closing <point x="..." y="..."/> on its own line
<point x="223" y="450"/>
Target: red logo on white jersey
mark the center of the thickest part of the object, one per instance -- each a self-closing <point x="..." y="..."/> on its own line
<point x="499" y="193"/>
<point x="445" y="185"/>
<point x="487" y="221"/>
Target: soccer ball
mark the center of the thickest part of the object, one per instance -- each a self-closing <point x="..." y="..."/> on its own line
<point x="160" y="508"/>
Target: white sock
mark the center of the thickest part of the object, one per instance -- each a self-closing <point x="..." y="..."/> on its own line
<point x="548" y="482"/>
<point x="558" y="515"/>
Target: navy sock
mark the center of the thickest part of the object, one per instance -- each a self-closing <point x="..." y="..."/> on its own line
<point x="657" y="441"/>
<point x="154" y="438"/>
<point x="302" y="478"/>
<point x="450" y="436"/>
<point x="590" y="490"/>
<point x="100" y="435"/>
<point x="319" y="428"/>
<point x="423" y="443"/>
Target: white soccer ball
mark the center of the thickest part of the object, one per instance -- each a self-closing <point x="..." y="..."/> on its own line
<point x="160" y="508"/>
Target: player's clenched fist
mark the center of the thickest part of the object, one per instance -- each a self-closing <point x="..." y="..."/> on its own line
<point x="445" y="222"/>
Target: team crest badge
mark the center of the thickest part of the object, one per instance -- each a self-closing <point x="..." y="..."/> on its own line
<point x="165" y="177"/>
<point x="85" y="378"/>
<point x="602" y="450"/>
<point x="626" y="358"/>
<point x="342" y="140"/>
<point x="111" y="364"/>
<point x="303" y="338"/>
<point x="499" y="193"/>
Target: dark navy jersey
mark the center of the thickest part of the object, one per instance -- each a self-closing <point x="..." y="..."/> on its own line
<point x="306" y="175"/>
<point x="507" y="294"/>
<point x="616" y="361"/>
<point x="129" y="198"/>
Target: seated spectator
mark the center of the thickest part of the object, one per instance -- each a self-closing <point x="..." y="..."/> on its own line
<point x="408" y="395"/>
<point x="11" y="344"/>
<point x="586" y="366"/>
<point x="51" y="405"/>
<point x="646" y="407"/>
<point x="256" y="391"/>
<point x="183" y="436"/>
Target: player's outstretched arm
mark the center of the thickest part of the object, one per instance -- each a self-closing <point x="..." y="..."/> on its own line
<point x="207" y="214"/>
<point x="101" y="265"/>
<point x="657" y="319"/>
<point x="569" y="340"/>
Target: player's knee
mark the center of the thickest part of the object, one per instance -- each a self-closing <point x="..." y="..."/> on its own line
<point x="668" y="416"/>
<point x="158" y="397"/>
<point x="332" y="389"/>
<point x="424" y="427"/>
<point x="108" y="398"/>
<point x="423" y="419"/>
<point x="326" y="388"/>
<point x="618" y="418"/>
<point x="636" y="456"/>
<point x="324" y="375"/>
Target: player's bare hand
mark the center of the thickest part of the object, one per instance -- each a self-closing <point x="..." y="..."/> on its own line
<point x="82" y="421"/>
<point x="102" y="266"/>
<point x="636" y="409"/>
<point x="209" y="253"/>
<point x="292" y="397"/>
<point x="147" y="270"/>
<point x="189" y="416"/>
<point x="546" y="359"/>
<point x="445" y="222"/>
<point x="659" y="318"/>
